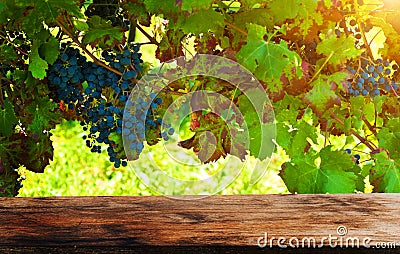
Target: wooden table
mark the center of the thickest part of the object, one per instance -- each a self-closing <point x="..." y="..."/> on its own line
<point x="215" y="224"/>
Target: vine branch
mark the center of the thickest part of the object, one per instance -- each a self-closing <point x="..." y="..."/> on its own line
<point x="148" y="36"/>
<point x="362" y="140"/>
<point x="367" y="45"/>
<point x="370" y="127"/>
<point x="95" y="59"/>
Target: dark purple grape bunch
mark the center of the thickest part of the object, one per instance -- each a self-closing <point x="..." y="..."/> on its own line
<point x="372" y="78"/>
<point x="96" y="94"/>
<point x="140" y="117"/>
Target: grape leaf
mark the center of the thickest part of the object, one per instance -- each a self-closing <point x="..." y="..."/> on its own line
<point x="38" y="152"/>
<point x="302" y="131"/>
<point x="341" y="49"/>
<point x="303" y="174"/>
<point x="157" y="6"/>
<point x="307" y="16"/>
<point x="250" y="4"/>
<point x="258" y="16"/>
<point x="50" y="50"/>
<point x="80" y="25"/>
<point x="261" y="140"/>
<point x="261" y="130"/>
<point x="102" y="30"/>
<point x="37" y="66"/>
<point x="8" y="120"/>
<point x="7" y="53"/>
<point x="193" y="5"/>
<point x="202" y="22"/>
<point x="282" y="10"/>
<point x="42" y="111"/>
<point x="323" y="95"/>
<point x="385" y="175"/>
<point x="267" y="60"/>
<point x="389" y="138"/>
<point x="35" y="12"/>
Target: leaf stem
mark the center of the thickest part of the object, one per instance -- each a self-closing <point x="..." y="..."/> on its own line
<point x="95" y="60"/>
<point x="1" y="94"/>
<point x="236" y="28"/>
<point x="322" y="66"/>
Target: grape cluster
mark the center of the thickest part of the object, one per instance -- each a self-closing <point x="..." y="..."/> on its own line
<point x="372" y="79"/>
<point x="352" y="28"/>
<point x="108" y="10"/>
<point x="98" y="96"/>
<point x="140" y="117"/>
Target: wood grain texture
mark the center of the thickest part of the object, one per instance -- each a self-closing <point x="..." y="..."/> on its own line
<point x="211" y="223"/>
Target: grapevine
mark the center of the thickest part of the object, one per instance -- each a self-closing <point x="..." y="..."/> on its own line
<point x="330" y="69"/>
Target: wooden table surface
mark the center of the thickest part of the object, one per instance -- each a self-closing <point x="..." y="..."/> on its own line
<point x="214" y="224"/>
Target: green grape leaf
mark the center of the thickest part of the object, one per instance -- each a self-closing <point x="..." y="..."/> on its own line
<point x="282" y="10"/>
<point x="103" y="31"/>
<point x="323" y="95"/>
<point x="7" y="53"/>
<point x="258" y="16"/>
<point x="304" y="174"/>
<point x="35" y="12"/>
<point x="249" y="4"/>
<point x="39" y="152"/>
<point x="80" y="25"/>
<point x="37" y="66"/>
<point x="8" y="120"/>
<point x="385" y="175"/>
<point x="157" y="6"/>
<point x="283" y="136"/>
<point x="202" y="22"/>
<point x="261" y="131"/>
<point x="261" y="140"/>
<point x="42" y="110"/>
<point x="340" y="49"/>
<point x="307" y="16"/>
<point x="267" y="60"/>
<point x="50" y="50"/>
<point x="194" y="5"/>
<point x="389" y="138"/>
<point x="302" y="130"/>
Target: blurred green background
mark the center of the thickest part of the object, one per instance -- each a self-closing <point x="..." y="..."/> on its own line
<point x="75" y="171"/>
